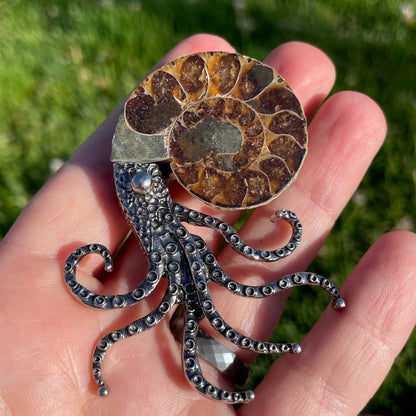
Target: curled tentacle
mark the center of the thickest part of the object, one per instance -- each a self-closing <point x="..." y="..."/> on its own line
<point x="134" y="328"/>
<point x="231" y="236"/>
<point x="95" y="300"/>
<point x="199" y="289"/>
<point x="232" y="335"/>
<point x="192" y="368"/>
<point x="217" y="275"/>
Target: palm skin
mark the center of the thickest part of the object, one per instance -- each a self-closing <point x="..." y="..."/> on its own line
<point x="47" y="337"/>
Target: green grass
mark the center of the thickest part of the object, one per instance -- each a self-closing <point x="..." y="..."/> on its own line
<point x="64" y="65"/>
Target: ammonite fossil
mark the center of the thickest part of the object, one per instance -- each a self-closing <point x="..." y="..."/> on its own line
<point x="233" y="133"/>
<point x="231" y="128"/>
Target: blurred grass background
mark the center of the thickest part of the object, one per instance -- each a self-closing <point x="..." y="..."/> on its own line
<point x="64" y="65"/>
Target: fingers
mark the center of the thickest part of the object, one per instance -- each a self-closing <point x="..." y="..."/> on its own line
<point x="79" y="203"/>
<point x="347" y="355"/>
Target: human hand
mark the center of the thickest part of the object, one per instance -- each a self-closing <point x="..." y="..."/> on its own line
<point x="48" y="337"/>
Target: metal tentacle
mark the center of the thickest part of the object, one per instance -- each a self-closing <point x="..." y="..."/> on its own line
<point x="136" y="327"/>
<point x="199" y="290"/>
<point x="95" y="300"/>
<point x="217" y="275"/>
<point x="232" y="335"/>
<point x="192" y="368"/>
<point x="231" y="236"/>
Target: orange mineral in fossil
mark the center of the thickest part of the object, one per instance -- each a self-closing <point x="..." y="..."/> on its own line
<point x="231" y="128"/>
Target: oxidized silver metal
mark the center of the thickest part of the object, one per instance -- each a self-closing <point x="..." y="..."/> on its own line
<point x="235" y="136"/>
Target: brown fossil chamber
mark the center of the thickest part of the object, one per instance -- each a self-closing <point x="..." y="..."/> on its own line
<point x="230" y="126"/>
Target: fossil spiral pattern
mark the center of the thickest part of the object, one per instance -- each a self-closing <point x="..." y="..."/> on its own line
<point x="234" y="135"/>
<point x="230" y="126"/>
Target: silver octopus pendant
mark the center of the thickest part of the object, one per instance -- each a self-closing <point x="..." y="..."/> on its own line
<point x="232" y="132"/>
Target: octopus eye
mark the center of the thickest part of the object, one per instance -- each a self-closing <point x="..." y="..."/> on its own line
<point x="141" y="183"/>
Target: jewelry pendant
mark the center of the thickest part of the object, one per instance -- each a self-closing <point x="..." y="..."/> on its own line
<point x="234" y="135"/>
